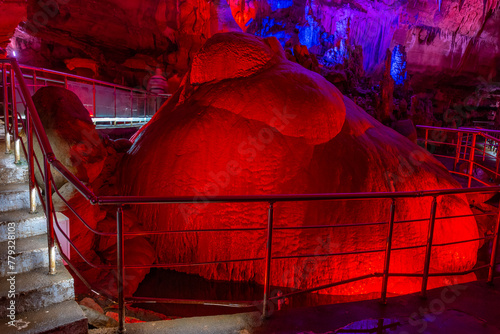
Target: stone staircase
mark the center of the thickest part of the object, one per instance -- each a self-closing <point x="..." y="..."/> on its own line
<point x="43" y="303"/>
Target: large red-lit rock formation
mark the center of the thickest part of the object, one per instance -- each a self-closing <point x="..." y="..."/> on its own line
<point x="247" y="121"/>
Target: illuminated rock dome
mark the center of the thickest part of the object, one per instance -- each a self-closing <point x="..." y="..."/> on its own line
<point x="246" y="121"/>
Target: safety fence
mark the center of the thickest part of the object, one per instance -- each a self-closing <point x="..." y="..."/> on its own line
<point x="35" y="131"/>
<point x="103" y="100"/>
<point x="472" y="148"/>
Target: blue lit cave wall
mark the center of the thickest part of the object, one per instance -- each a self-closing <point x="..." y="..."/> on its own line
<point x="327" y="28"/>
<point x="436" y="36"/>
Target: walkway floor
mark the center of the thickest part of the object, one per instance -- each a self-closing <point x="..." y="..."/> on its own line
<point x="469" y="308"/>
<point x="460" y="309"/>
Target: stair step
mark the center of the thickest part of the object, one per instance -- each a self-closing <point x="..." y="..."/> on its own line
<point x="30" y="253"/>
<point x="26" y="224"/>
<point x="10" y="172"/>
<point x="36" y="289"/>
<point x="14" y="196"/>
<point x="65" y="317"/>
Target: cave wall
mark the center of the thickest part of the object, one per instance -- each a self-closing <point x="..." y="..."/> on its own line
<point x="448" y="43"/>
<point x="442" y="41"/>
<point x="11" y="14"/>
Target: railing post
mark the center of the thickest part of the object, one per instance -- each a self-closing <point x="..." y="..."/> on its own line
<point x="6" y="108"/>
<point x="94" y="107"/>
<point x="49" y="215"/>
<point x="31" y="169"/>
<point x="267" y="278"/>
<point x="15" y="127"/>
<point x="471" y="159"/>
<point x="131" y="103"/>
<point x="466" y="144"/>
<point x="494" y="250"/>
<point x="388" y="249"/>
<point x="120" y="269"/>
<point x="496" y="157"/>
<point x="34" y="81"/>
<point x="459" y="149"/>
<point x="426" y="138"/>
<point x="484" y="148"/>
<point x="428" y="251"/>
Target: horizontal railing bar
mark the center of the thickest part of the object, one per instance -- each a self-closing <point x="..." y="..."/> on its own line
<point x="243" y="229"/>
<point x="306" y="227"/>
<point x="80" y="276"/>
<point x="177" y="265"/>
<point x="467" y="176"/>
<point x="327" y="255"/>
<point x="73" y="76"/>
<point x="100" y="233"/>
<point x="156" y="300"/>
<point x="140" y="233"/>
<point x="326" y="286"/>
<point x="117" y="200"/>
<point x="462" y="242"/>
<point x="484" y="132"/>
<point x="487" y="169"/>
<point x="71" y="178"/>
<point x="96" y="266"/>
<point x="406" y="275"/>
<point x="450" y="217"/>
<point x="443" y="143"/>
<point x="121" y="119"/>
<point x="434" y="128"/>
<point x="465" y="216"/>
<point x="460" y="272"/>
<point x="408" y="247"/>
<point x="440" y="273"/>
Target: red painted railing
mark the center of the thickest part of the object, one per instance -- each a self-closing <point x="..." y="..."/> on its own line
<point x="33" y="127"/>
<point x="102" y="99"/>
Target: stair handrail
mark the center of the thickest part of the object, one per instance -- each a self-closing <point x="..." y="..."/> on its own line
<point x="41" y="135"/>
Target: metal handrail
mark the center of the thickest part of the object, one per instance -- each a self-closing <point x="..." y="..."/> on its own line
<point x="77" y="77"/>
<point x="93" y="83"/>
<point x="33" y="124"/>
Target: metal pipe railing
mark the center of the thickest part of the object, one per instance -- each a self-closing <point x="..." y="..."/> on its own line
<point x="120" y="265"/>
<point x="15" y="126"/>
<point x="473" y="133"/>
<point x="33" y="124"/>
<point x="388" y="249"/>
<point x="267" y="277"/>
<point x="428" y="250"/>
<point x="64" y="78"/>
<point x="6" y="110"/>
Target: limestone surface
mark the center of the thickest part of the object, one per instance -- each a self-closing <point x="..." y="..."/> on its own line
<point x="269" y="126"/>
